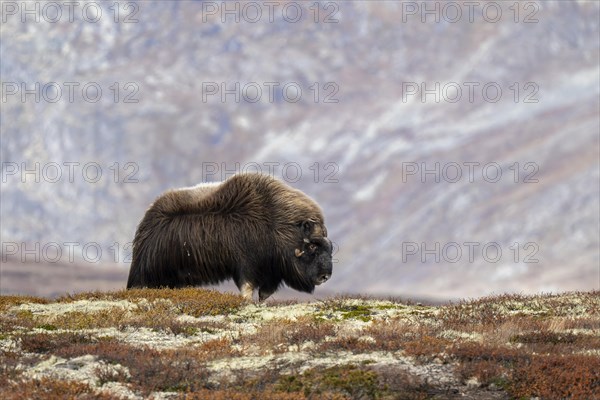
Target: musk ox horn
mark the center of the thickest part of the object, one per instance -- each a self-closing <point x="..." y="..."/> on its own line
<point x="238" y="229"/>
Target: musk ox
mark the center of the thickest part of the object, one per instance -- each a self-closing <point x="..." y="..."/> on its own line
<point x="251" y="228"/>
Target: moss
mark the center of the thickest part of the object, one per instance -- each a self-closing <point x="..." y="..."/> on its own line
<point x="354" y="381"/>
<point x="47" y="327"/>
<point x="290" y="383"/>
<point x="322" y="316"/>
<point x="185" y="330"/>
<point x="386" y="307"/>
<point x="500" y="382"/>
<point x="332" y="308"/>
<point x="360" y="312"/>
<point x="347" y="379"/>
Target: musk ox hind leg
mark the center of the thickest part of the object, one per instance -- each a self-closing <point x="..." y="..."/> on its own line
<point x="247" y="290"/>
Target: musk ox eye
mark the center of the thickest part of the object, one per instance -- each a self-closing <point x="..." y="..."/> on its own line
<point x="312" y="247"/>
<point x="307" y="228"/>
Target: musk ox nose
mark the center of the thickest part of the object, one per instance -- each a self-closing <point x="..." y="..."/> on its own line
<point x="324" y="277"/>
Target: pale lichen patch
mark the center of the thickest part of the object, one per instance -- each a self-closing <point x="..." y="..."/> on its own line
<point x="87" y="306"/>
<point x="453" y="335"/>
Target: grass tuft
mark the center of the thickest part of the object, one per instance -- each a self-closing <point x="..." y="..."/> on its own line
<point x="191" y="301"/>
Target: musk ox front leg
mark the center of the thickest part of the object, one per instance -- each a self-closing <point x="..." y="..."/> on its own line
<point x="264" y="293"/>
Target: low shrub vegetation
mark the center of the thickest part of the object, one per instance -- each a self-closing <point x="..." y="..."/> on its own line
<point x="203" y="344"/>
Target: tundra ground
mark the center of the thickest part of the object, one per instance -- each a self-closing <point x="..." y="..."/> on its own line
<point x="196" y="344"/>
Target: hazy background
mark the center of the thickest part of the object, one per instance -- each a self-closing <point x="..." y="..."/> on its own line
<point x="138" y="97"/>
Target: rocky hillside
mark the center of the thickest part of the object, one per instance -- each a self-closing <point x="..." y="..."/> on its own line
<point x="389" y="92"/>
<point x="202" y="344"/>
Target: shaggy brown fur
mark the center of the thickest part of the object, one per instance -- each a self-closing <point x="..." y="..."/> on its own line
<point x="250" y="228"/>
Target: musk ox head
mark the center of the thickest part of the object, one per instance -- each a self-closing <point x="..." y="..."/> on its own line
<point x="312" y="256"/>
